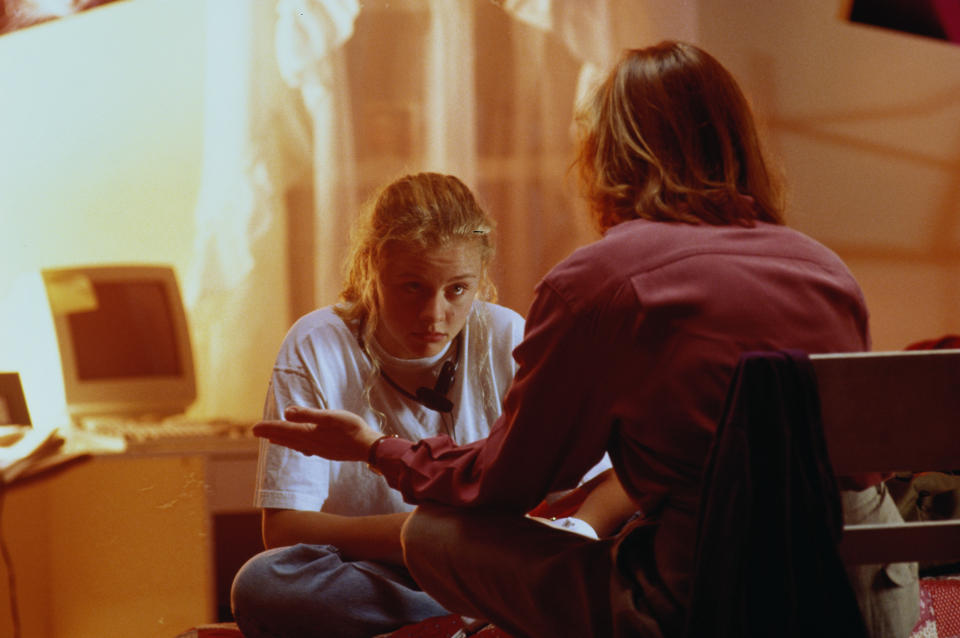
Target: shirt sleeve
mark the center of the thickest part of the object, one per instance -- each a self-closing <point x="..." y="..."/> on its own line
<point x="549" y="434"/>
<point x="286" y="478"/>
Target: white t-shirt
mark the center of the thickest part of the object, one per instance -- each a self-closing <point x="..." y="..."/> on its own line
<point x="321" y="364"/>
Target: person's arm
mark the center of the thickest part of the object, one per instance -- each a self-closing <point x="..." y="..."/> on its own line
<point x="289" y="516"/>
<point x="357" y="537"/>
<point x="556" y="421"/>
<point x="555" y="425"/>
<point x="600" y="502"/>
<point x="607" y="507"/>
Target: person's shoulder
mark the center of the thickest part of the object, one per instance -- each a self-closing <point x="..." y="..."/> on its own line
<point x="618" y="245"/>
<point x="781" y="234"/>
<point x="595" y="268"/>
<point x="639" y="245"/>
<point x="319" y="320"/>
<point x="321" y="347"/>
<point x="783" y="242"/>
<point x="316" y="329"/>
<point x="505" y="324"/>
<point x="501" y="315"/>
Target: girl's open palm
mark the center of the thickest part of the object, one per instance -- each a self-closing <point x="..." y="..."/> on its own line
<point x="338" y="435"/>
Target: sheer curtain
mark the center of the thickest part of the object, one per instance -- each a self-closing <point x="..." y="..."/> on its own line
<point x="479" y="89"/>
<point x="311" y="105"/>
<point x="256" y="149"/>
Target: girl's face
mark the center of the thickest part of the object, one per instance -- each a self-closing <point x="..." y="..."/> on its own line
<point x="425" y="296"/>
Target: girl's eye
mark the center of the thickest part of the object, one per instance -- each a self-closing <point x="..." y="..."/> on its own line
<point x="411" y="286"/>
<point x="456" y="290"/>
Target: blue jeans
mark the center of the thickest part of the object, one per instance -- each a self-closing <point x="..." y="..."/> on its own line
<point x="309" y="590"/>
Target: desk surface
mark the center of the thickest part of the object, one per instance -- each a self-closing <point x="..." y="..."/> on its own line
<point x="56" y="449"/>
<point x="230" y="462"/>
<point x="115" y="545"/>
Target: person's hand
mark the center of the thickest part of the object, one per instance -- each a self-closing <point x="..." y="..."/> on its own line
<point x="333" y="434"/>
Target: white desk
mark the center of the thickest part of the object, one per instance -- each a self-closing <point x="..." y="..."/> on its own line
<point x="128" y="544"/>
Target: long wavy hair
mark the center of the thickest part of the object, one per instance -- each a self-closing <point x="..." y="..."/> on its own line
<point x="420" y="211"/>
<point x="669" y="136"/>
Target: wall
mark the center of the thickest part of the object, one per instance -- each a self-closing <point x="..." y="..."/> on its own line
<point x="101" y="160"/>
<point x="101" y="127"/>
<point x="865" y="123"/>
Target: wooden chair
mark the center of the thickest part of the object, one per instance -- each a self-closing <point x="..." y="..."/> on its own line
<point x="893" y="411"/>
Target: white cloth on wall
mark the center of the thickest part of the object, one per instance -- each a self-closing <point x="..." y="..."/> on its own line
<point x="584" y="26"/>
<point x="486" y="97"/>
<point x="450" y="91"/>
<point x="310" y="35"/>
<point x="483" y="90"/>
<point x="225" y="202"/>
<point x="241" y="176"/>
<point x="252" y="150"/>
<point x="407" y="72"/>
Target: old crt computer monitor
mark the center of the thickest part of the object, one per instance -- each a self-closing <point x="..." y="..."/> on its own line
<point x="123" y="339"/>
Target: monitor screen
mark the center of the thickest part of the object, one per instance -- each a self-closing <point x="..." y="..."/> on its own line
<point x="129" y="334"/>
<point x="123" y="339"/>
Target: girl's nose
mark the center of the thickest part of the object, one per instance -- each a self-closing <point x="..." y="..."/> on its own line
<point x="434" y="309"/>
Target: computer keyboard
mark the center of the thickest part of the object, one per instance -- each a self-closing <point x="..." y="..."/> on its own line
<point x="175" y="434"/>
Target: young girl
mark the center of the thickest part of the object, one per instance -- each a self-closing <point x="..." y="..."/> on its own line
<point x="416" y="348"/>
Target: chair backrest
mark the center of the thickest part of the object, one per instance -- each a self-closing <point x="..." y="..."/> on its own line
<point x="893" y="411"/>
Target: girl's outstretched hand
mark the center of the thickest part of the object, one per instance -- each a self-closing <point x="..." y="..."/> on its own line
<point x="338" y="435"/>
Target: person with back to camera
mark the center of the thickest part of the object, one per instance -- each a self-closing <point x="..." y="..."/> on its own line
<point x="416" y="347"/>
<point x="629" y="348"/>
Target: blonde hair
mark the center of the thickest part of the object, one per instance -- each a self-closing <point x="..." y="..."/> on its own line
<point x="669" y="136"/>
<point x="423" y="211"/>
